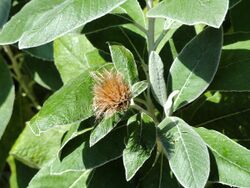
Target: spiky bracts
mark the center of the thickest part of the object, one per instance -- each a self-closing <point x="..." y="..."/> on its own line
<point x="111" y="93"/>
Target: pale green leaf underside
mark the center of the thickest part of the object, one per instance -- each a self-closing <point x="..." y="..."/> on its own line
<point x="187" y="153"/>
<point x="133" y="9"/>
<point x="156" y="76"/>
<point x="195" y="67"/>
<point x="40" y="22"/>
<point x="191" y="12"/>
<point x="7" y="96"/>
<point x="232" y="159"/>
<point x="124" y="63"/>
<point x="139" y="87"/>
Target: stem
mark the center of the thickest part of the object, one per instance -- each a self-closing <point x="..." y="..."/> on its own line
<point x="141" y="101"/>
<point x="151" y="45"/>
<point x="151" y="29"/>
<point x="139" y="108"/>
<point x="159" y="39"/>
<point x="19" y="77"/>
<point x="139" y="26"/>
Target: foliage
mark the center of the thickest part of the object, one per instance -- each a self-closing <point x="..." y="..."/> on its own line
<point x="181" y="120"/>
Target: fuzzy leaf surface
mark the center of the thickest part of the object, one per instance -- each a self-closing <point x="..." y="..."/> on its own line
<point x="40" y="22"/>
<point x="195" y="67"/>
<point x="186" y="151"/>
<point x="191" y="12"/>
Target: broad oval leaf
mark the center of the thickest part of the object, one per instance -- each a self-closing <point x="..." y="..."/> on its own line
<point x="195" y="67"/>
<point x="7" y="96"/>
<point x="156" y="76"/>
<point x="140" y="145"/>
<point x="124" y="63"/>
<point x="187" y="153"/>
<point x="191" y="12"/>
<point x="232" y="159"/>
<point x="77" y="155"/>
<point x="40" y="22"/>
<point x="71" y="104"/>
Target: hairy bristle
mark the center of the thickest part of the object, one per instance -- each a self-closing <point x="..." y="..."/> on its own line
<point x="111" y="94"/>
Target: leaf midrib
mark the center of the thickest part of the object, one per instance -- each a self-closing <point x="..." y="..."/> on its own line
<point x="189" y="161"/>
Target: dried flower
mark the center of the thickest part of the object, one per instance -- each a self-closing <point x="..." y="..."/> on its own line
<point x="111" y="94"/>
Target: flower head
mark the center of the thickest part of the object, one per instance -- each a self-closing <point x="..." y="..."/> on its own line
<point x="111" y="94"/>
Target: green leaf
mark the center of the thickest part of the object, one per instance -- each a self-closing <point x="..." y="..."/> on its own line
<point x="77" y="155"/>
<point x="232" y="160"/>
<point x="156" y="76"/>
<point x="7" y="96"/>
<point x="187" y="153"/>
<point x="68" y="179"/>
<point x="77" y="129"/>
<point x="139" y="87"/>
<point x="51" y="19"/>
<point x="103" y="128"/>
<point x="233" y="3"/>
<point x="104" y="23"/>
<point x="110" y="175"/>
<point x="69" y="54"/>
<point x="37" y="151"/>
<point x="21" y="113"/>
<point x="96" y="58"/>
<point x="232" y="77"/>
<point x="71" y="104"/>
<point x="160" y="176"/>
<point x="229" y="113"/>
<point x="119" y="35"/>
<point x="195" y="67"/>
<point x="4" y="11"/>
<point x="239" y="14"/>
<point x="233" y="73"/>
<point x="211" y="13"/>
<point x="140" y="145"/>
<point x="133" y="9"/>
<point x="43" y="72"/>
<point x="124" y="63"/>
<point x="20" y="173"/>
<point x="44" y="52"/>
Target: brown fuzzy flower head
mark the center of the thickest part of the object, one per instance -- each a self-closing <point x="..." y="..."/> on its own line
<point x="111" y="94"/>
